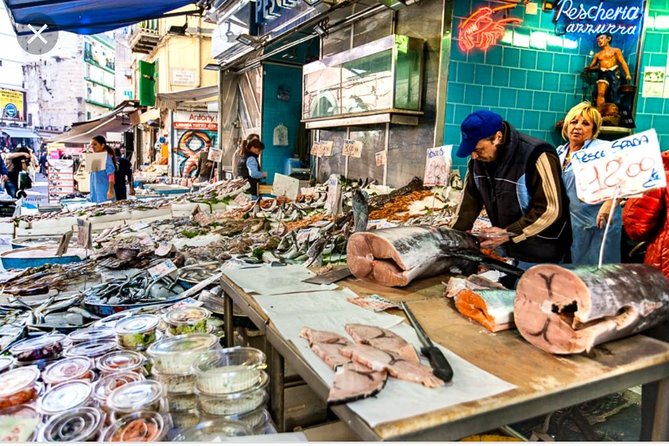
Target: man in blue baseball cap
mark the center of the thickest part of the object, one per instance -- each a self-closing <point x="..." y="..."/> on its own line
<point x="517" y="178"/>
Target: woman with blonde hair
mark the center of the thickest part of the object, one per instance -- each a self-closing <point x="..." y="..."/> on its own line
<point x="581" y="127"/>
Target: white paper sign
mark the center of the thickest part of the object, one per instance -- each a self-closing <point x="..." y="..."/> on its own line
<point x="162" y="269"/>
<point x="352" y="148"/>
<point x="286" y="186"/>
<point x="333" y="201"/>
<point x="380" y="158"/>
<point x="633" y="164"/>
<point x="437" y="166"/>
<point x="215" y="155"/>
<point x="94" y="162"/>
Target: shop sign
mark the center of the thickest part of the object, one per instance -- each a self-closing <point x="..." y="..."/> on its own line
<point x="482" y="29"/>
<point x="268" y="10"/>
<point x="437" y="166"/>
<point x="195" y="121"/>
<point x="591" y="17"/>
<point x="183" y="77"/>
<point x="12" y="105"/>
<point x="626" y="166"/>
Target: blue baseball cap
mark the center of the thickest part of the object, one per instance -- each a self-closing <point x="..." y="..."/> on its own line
<point x="477" y="126"/>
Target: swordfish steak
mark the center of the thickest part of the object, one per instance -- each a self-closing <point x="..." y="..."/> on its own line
<point x="565" y="311"/>
<point x="354" y="381"/>
<point x="326" y="345"/>
<point x="396" y="256"/>
<point x="382" y="339"/>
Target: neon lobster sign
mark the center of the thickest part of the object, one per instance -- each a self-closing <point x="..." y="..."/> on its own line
<point x="480" y="30"/>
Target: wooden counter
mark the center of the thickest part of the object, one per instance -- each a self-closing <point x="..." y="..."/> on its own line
<point x="545" y="382"/>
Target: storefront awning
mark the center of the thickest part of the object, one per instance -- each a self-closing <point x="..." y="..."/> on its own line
<point x="19" y="132"/>
<point x="89" y="16"/>
<point x="173" y="100"/>
<point x="116" y="121"/>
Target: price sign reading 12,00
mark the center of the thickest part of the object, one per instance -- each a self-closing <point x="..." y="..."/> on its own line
<point x="632" y="165"/>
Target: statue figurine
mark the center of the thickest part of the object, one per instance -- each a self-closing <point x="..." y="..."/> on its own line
<point x="608" y="61"/>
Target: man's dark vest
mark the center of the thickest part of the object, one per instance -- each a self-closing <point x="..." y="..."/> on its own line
<point x="243" y="172"/>
<point x="506" y="197"/>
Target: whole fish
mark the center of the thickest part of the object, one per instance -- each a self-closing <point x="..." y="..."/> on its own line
<point x="360" y="210"/>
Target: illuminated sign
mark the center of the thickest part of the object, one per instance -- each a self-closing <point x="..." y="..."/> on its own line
<point x="622" y="17"/>
<point x="480" y="30"/>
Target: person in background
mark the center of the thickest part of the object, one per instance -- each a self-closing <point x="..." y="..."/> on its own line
<point x="43" y="163"/>
<point x="249" y="166"/>
<point x="17" y="162"/>
<point x="102" y="181"/>
<point x="517" y="179"/>
<point x="204" y="165"/>
<point x="581" y="127"/>
<point x="645" y="219"/>
<point x="242" y="149"/>
<point x="123" y="177"/>
<point x="3" y="174"/>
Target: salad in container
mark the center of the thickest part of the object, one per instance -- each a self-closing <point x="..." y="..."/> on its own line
<point x="137" y="332"/>
<point x="235" y="403"/>
<point x="176" y="355"/>
<point x="186" y="320"/>
<point x="138" y="427"/>
<point x="107" y="384"/>
<point x="229" y="370"/>
<point x="91" y="334"/>
<point x="213" y="431"/>
<point x="91" y="349"/>
<point x="147" y="395"/>
<point x="176" y="384"/>
<point x="121" y="361"/>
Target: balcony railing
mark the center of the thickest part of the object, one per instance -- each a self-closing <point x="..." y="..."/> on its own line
<point x="144" y="36"/>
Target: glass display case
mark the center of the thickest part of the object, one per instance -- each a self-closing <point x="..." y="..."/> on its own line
<point x="381" y="76"/>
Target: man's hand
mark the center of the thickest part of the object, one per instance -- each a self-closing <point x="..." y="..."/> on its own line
<point x="110" y="194"/>
<point x="131" y="191"/>
<point x="493" y="237"/>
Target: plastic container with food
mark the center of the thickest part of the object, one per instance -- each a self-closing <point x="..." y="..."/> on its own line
<point x="121" y="361"/>
<point x="176" y="355"/>
<point x="213" y="431"/>
<point x="186" y="320"/>
<point x="234" y="403"/>
<point x="91" y="349"/>
<point x="66" y="396"/>
<point x="74" y="425"/>
<point x="25" y="433"/>
<point x="135" y="427"/>
<point x="43" y="347"/>
<point x="184" y="420"/>
<point x="258" y="420"/>
<point x="18" y="386"/>
<point x="230" y="370"/>
<point x="68" y="369"/>
<point x="92" y="334"/>
<point x="176" y="384"/>
<point x="181" y="403"/>
<point x="137" y="332"/>
<point x="107" y="384"/>
<point x="136" y="396"/>
<point x="6" y="363"/>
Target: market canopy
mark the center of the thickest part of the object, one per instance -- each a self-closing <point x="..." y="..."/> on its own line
<point x="19" y="132"/>
<point x="173" y="100"/>
<point x="88" y="16"/>
<point x="116" y="121"/>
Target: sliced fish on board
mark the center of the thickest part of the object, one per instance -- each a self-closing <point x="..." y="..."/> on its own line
<point x="326" y="345"/>
<point x="354" y="381"/>
<point x="567" y="311"/>
<point x="382" y="339"/>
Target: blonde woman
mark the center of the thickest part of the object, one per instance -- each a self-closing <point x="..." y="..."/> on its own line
<point x="580" y="129"/>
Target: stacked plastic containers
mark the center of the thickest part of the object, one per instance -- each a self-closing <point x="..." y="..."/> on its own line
<point x="231" y="385"/>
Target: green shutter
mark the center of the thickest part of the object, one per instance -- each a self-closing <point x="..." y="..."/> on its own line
<point x="147" y="83"/>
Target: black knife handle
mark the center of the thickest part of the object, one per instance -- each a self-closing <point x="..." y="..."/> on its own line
<point x="440" y="366"/>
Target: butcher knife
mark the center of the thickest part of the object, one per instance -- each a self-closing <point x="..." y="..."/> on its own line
<point x="330" y="277"/>
<point x="440" y="366"/>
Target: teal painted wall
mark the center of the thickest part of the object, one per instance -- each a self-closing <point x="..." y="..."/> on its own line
<point x="276" y="111"/>
<point x="531" y="77"/>
<point x="654" y="112"/>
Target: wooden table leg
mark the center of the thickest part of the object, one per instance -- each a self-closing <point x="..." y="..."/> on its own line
<point x="228" y="324"/>
<point x="276" y="374"/>
<point x="661" y="419"/>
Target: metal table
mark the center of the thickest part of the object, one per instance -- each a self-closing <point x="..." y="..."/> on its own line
<point x="545" y="382"/>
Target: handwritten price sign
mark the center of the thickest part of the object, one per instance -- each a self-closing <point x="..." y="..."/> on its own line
<point x="437" y="166"/>
<point x="632" y="164"/>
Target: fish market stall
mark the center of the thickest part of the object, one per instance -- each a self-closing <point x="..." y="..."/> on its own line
<point x="528" y="381"/>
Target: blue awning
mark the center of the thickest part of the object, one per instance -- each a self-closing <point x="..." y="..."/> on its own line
<point x="89" y="16"/>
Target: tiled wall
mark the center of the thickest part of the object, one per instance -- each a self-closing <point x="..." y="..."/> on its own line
<point x="654" y="112"/>
<point x="531" y="77"/>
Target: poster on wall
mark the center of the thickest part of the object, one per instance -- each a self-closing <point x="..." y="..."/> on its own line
<point x="437" y="166"/>
<point x="193" y="132"/>
<point x="653" y="82"/>
<point x="12" y="105"/>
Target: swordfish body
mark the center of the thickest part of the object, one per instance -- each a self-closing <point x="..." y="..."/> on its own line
<point x="396" y="256"/>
